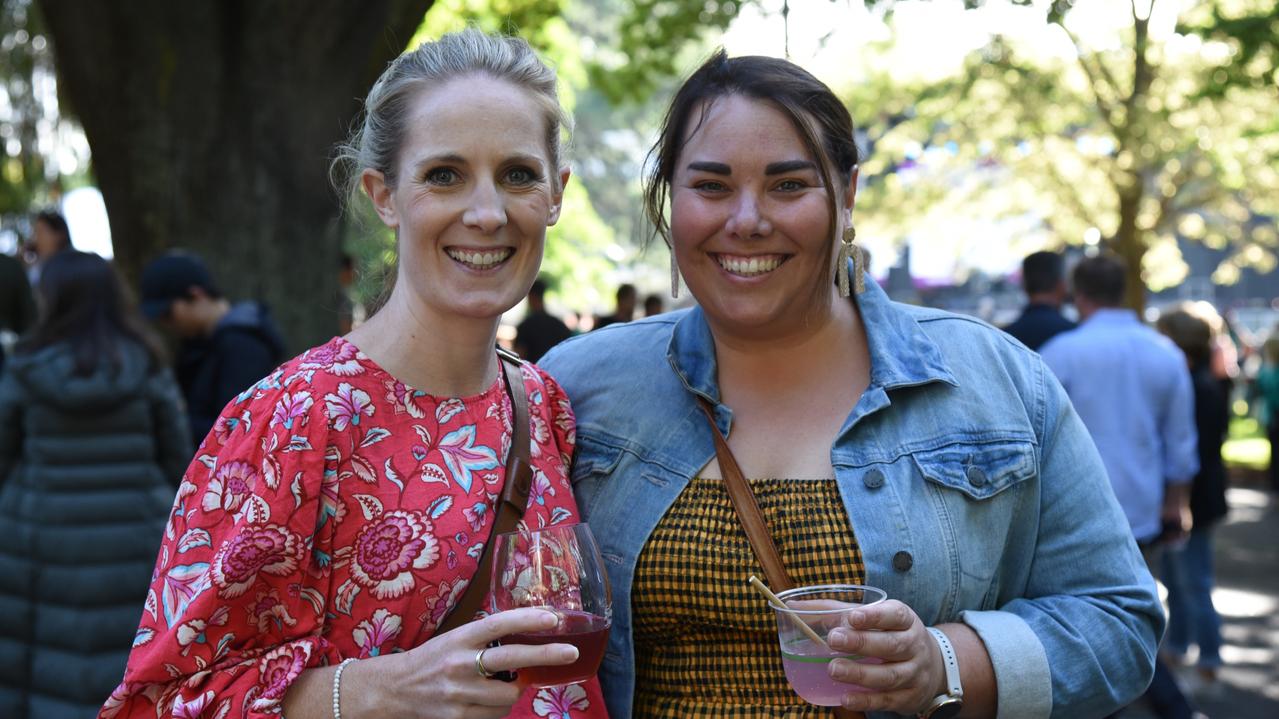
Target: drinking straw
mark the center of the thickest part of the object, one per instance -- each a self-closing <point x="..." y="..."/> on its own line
<point x="754" y="581"/>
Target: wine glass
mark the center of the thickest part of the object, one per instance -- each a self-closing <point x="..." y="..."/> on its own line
<point x="557" y="568"/>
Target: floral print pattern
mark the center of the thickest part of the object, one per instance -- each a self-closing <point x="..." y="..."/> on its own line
<point x="333" y="512"/>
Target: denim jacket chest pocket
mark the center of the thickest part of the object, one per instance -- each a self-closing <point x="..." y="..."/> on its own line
<point x="594" y="463"/>
<point x="978" y="492"/>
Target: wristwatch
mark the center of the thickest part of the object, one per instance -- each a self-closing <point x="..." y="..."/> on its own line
<point x="946" y="706"/>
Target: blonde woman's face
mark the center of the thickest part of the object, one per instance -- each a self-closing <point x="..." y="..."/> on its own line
<point x="475" y="192"/>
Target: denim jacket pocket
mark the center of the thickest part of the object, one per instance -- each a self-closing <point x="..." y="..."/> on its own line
<point x="979" y="471"/>
<point x="594" y="462"/>
<point x="976" y="503"/>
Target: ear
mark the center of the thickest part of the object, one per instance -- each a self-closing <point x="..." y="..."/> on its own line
<point x="850" y="195"/>
<point x="557" y="199"/>
<point x="374" y="184"/>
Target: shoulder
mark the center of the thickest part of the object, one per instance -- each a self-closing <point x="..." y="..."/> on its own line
<point x="304" y="392"/>
<point x="959" y="336"/>
<point x="609" y="353"/>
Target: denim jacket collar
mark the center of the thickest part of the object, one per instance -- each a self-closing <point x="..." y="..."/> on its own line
<point x="901" y="354"/>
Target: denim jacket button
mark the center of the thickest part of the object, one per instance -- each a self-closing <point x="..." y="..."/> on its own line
<point x="976" y="476"/>
<point x="873" y="479"/>
<point x="902" y="561"/>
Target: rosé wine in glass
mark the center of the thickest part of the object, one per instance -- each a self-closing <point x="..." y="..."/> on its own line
<point x="806" y="663"/>
<point x="559" y="569"/>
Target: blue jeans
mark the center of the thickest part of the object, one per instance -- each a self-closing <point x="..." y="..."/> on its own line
<point x="1192" y="619"/>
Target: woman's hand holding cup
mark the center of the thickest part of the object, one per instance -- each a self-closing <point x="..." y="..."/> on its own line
<point x="911" y="673"/>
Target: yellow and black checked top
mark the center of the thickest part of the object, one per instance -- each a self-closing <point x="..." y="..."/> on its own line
<point x="705" y="641"/>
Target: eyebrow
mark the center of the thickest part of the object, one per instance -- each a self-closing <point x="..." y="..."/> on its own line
<point x="775" y="168"/>
<point x="452" y="158"/>
<point x="717" y="168"/>
<point x="781" y="168"/>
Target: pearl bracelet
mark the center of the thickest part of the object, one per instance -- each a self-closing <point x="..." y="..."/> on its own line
<point x="337" y="688"/>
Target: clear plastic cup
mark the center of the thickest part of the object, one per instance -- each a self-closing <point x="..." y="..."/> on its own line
<point x="807" y="664"/>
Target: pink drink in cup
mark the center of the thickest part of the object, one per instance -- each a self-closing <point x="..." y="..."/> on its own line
<point x="807" y="664"/>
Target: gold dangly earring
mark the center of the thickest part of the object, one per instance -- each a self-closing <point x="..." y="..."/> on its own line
<point x="674" y="276"/>
<point x="847" y="249"/>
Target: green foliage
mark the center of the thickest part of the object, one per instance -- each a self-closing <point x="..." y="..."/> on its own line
<point x="1250" y="31"/>
<point x="24" y="59"/>
<point x="1066" y="140"/>
<point x="642" y="56"/>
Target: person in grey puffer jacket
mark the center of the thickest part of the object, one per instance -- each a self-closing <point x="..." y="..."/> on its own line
<point x="93" y="443"/>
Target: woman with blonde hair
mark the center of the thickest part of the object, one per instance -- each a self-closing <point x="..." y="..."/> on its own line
<point x="337" y="521"/>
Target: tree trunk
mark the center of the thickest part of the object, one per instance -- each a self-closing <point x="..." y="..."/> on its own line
<point x="1129" y="241"/>
<point x="211" y="126"/>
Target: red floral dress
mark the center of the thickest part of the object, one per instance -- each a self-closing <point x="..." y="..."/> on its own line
<point x="333" y="512"/>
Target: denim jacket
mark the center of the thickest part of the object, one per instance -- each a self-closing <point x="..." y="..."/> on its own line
<point x="974" y="491"/>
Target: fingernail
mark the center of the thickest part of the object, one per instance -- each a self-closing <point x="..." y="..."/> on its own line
<point x="839" y="636"/>
<point x="549" y="619"/>
<point x="569" y="654"/>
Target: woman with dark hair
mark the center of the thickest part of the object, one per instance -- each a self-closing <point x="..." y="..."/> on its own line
<point x="921" y="452"/>
<point x="1188" y="568"/>
<point x="92" y="444"/>
<point x="49" y="236"/>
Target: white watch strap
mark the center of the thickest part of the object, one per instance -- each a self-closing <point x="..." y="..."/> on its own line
<point x="954" y="687"/>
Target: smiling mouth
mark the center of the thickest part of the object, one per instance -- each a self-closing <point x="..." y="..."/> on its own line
<point x="480" y="260"/>
<point x="753" y="266"/>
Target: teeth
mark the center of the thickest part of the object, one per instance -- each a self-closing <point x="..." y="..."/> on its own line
<point x="752" y="266"/>
<point x="481" y="260"/>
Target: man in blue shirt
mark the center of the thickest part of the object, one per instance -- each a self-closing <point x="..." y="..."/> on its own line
<point x="1130" y="386"/>
<point x="1043" y="277"/>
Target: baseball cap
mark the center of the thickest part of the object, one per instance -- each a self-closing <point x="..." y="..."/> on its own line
<point x="169" y="277"/>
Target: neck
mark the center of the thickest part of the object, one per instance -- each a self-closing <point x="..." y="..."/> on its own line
<point x="1044" y="298"/>
<point x="446" y="356"/>
<point x="800" y="354"/>
<point x="1088" y="308"/>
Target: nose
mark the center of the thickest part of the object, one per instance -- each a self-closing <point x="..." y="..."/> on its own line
<point x="486" y="211"/>
<point x="748" y="219"/>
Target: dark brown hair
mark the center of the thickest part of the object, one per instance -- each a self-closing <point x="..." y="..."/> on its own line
<point x="1101" y="279"/>
<point x="83" y="303"/>
<point x="821" y="120"/>
<point x="1189" y="332"/>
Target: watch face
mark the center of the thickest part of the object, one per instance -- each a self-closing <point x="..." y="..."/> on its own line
<point x="947" y="709"/>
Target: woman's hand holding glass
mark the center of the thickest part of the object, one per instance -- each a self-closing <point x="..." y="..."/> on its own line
<point x="912" y="672"/>
<point x="560" y="569"/>
<point x="441" y="678"/>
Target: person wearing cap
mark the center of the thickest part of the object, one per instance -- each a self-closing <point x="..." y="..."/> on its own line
<point x="225" y="347"/>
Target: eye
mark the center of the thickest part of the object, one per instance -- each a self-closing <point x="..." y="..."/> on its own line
<point x="791" y="185"/>
<point x="442" y="176"/>
<point x="709" y="186"/>
<point x="522" y="176"/>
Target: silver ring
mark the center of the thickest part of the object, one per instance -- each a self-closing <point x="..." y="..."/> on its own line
<point x="479" y="664"/>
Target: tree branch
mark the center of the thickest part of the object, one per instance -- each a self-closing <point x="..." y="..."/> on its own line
<point x="1098" y="79"/>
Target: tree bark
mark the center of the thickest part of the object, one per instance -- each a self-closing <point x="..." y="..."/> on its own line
<point x="211" y="126"/>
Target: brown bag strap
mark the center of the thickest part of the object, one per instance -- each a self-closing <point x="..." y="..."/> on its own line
<point x="739" y="491"/>
<point x="519" y="480"/>
<point x="761" y="540"/>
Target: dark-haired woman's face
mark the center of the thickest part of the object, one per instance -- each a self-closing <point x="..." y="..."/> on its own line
<point x="750" y="219"/>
